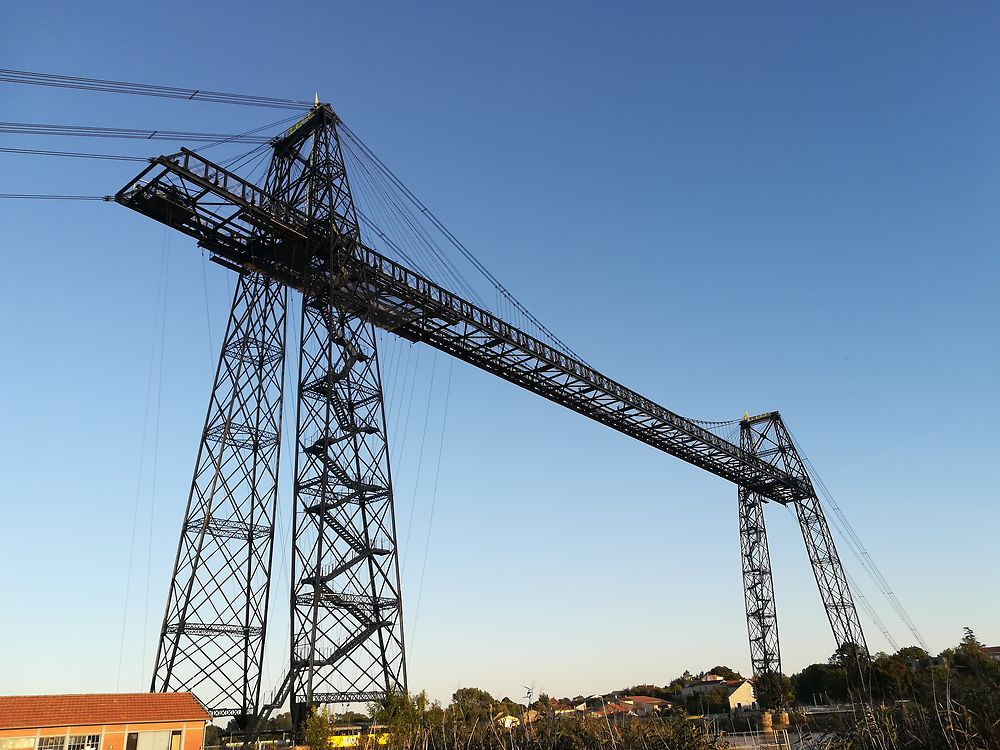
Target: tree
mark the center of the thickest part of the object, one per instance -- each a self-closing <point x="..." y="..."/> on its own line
<point x="970" y="641"/>
<point x="406" y="717"/>
<point x="281" y="723"/>
<point x="912" y="653"/>
<point x="212" y="735"/>
<point x="726" y="673"/>
<point x="507" y="707"/>
<point x="821" y="683"/>
<point x="400" y="712"/>
<point x="971" y="655"/>
<point x="318" y="729"/>
<point x="773" y="691"/>
<point x="851" y="656"/>
<point x="542" y="705"/>
<point x="471" y="704"/>
<point x="891" y="676"/>
<point x="708" y="702"/>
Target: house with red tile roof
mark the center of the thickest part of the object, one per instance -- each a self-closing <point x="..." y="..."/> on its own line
<point x="108" y="721"/>
<point x="558" y="708"/>
<point x="644" y="705"/>
<point x="612" y="712"/>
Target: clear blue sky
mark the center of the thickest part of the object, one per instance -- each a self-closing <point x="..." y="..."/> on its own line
<point x="727" y="207"/>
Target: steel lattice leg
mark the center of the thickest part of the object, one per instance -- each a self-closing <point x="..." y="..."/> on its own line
<point x="758" y="585"/>
<point x="212" y="637"/>
<point x="346" y="609"/>
<point x="830" y="578"/>
<point x="346" y="606"/>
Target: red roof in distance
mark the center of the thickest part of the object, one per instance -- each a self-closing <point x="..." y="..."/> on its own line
<point x="34" y="711"/>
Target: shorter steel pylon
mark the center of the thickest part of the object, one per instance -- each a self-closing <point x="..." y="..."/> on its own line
<point x="758" y="584"/>
<point x="768" y="438"/>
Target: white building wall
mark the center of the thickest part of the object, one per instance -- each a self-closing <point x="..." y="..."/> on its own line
<point x="742" y="697"/>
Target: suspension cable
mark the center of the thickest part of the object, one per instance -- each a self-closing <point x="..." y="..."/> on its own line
<point x="146" y="89"/>
<point x="455" y="242"/>
<point x="863" y="601"/>
<point x="847" y="533"/>
<point x="87" y="131"/>
<point x="73" y="154"/>
<point x="48" y="197"/>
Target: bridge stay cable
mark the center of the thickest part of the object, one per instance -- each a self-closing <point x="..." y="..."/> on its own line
<point x="860" y="552"/>
<point x="55" y="80"/>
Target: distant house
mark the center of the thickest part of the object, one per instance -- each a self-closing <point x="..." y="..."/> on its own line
<point x="643" y="705"/>
<point x="506" y="721"/>
<point x="560" y="709"/>
<point x="739" y="693"/>
<point x="526" y="717"/>
<point x="992" y="652"/>
<point x="616" y="712"/>
<point x="706" y="684"/>
<point x="115" y="721"/>
<point x="930" y="661"/>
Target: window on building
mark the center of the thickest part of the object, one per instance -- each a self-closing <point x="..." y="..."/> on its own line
<point x="51" y="743"/>
<point x="17" y="743"/>
<point x="175" y="740"/>
<point x="154" y="741"/>
<point x="83" y="742"/>
<point x="132" y="741"/>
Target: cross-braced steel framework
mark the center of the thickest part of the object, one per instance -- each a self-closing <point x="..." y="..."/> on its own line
<point x="347" y="640"/>
<point x="766" y="437"/>
<point x="212" y="637"/>
<point x="347" y="630"/>
<point x="758" y="585"/>
<point x="300" y="231"/>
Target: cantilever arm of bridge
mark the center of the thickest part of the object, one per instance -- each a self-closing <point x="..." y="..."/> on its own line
<point x="226" y="213"/>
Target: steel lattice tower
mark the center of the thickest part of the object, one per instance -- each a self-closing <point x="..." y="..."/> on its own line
<point x="347" y="629"/>
<point x="347" y="641"/>
<point x="766" y="437"/>
<point x="758" y="586"/>
<point x="300" y="231"/>
<point x="212" y="637"/>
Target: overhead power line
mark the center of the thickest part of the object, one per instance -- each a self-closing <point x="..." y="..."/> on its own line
<point x="86" y="131"/>
<point x="73" y="154"/>
<point x="146" y="89"/>
<point x="48" y="197"/>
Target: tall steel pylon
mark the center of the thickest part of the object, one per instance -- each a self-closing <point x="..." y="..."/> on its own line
<point x="766" y="437"/>
<point x="347" y="625"/>
<point x="212" y="636"/>
<point x="346" y="609"/>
